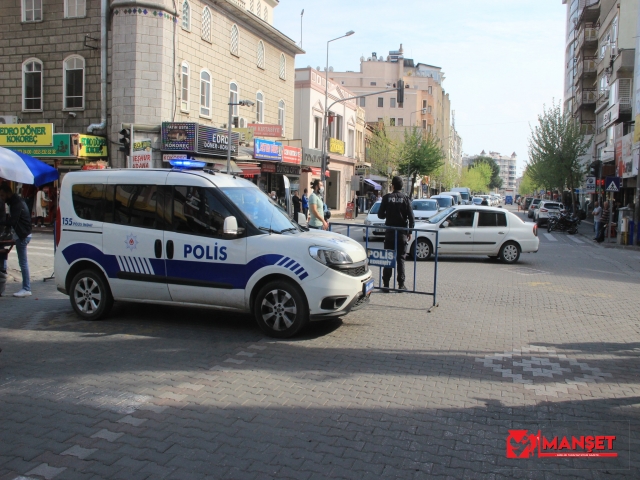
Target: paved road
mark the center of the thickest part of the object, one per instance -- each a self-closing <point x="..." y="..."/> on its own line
<point x="390" y="391"/>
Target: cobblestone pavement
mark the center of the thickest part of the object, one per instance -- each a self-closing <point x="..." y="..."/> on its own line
<point x="390" y="391"/>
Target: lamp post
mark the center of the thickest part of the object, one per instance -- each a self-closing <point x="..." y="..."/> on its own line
<point x="424" y="112"/>
<point x="325" y="127"/>
<point x="242" y="103"/>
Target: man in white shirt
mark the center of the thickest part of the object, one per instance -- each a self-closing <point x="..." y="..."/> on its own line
<point x="597" y="216"/>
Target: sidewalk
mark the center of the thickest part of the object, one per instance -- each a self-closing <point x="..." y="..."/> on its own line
<point x="589" y="233"/>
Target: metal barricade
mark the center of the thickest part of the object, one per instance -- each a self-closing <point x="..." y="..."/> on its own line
<point x="414" y="233"/>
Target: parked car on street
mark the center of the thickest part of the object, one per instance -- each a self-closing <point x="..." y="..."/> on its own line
<point x="444" y="201"/>
<point x="545" y="210"/>
<point x="532" y="207"/>
<point x="508" y="200"/>
<point x="373" y="220"/>
<point x="477" y="200"/>
<point x="424" y="209"/>
<point x="465" y="192"/>
<point x="473" y="230"/>
<point x="527" y="203"/>
<point x="457" y="198"/>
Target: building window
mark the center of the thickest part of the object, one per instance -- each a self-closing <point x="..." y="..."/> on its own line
<point x="205" y="93"/>
<point x="233" y="98"/>
<point x="281" y="114"/>
<point x="424" y="104"/>
<point x="251" y="6"/>
<point x="317" y="131"/>
<point x="206" y="24"/>
<point x="350" y="143"/>
<point x="259" y="11"/>
<point x="430" y="90"/>
<point x="392" y="103"/>
<point x="186" y="15"/>
<point x="234" y="41"/>
<point x="259" y="107"/>
<point x="266" y="14"/>
<point x="380" y="102"/>
<point x="424" y="124"/>
<point x="283" y="67"/>
<point x="75" y="8"/>
<point x="392" y="122"/>
<point x="363" y="102"/>
<point x="380" y="119"/>
<point x="184" y="87"/>
<point x="31" y="10"/>
<point x="373" y="84"/>
<point x="74" y="83"/>
<point x="260" y="55"/>
<point x="401" y="122"/>
<point x="32" y="85"/>
<point x="429" y="129"/>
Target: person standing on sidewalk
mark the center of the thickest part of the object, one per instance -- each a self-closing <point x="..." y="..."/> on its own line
<point x="20" y="221"/>
<point x="396" y="210"/>
<point x="296" y="206"/>
<point x="316" y="207"/>
<point x="597" y="216"/>
<point x="604" y="223"/>
<point x="305" y="203"/>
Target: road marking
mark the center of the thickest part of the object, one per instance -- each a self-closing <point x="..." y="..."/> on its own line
<point x="550" y="237"/>
<point x="577" y="240"/>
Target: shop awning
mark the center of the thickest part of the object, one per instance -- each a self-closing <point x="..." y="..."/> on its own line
<point x="249" y="169"/>
<point x="317" y="171"/>
<point x="375" y="185"/>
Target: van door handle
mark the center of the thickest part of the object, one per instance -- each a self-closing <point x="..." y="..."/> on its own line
<point x="170" y="249"/>
<point x="157" y="247"/>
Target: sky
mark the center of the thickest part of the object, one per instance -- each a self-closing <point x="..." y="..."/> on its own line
<point x="503" y="59"/>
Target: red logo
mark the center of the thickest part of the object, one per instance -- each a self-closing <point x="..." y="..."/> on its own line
<point x="522" y="444"/>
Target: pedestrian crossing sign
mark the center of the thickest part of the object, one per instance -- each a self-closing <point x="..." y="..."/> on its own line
<point x="613" y="184"/>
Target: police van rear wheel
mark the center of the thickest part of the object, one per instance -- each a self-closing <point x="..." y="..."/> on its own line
<point x="280" y="309"/>
<point x="90" y="295"/>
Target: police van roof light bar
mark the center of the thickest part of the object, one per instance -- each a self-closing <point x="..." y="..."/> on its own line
<point x="186" y="164"/>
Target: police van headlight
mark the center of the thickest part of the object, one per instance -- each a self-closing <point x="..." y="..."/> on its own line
<point x="329" y="256"/>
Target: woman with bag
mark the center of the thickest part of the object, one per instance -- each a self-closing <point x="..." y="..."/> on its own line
<point x="42" y="206"/>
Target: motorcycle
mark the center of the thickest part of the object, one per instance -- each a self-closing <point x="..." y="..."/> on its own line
<point x="565" y="222"/>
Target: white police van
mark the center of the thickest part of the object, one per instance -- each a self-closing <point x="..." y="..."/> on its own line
<point x="200" y="238"/>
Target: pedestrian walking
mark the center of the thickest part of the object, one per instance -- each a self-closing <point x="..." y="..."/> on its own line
<point x="42" y="206"/>
<point x="20" y="221"/>
<point x="296" y="206"/>
<point x="305" y="203"/>
<point x="396" y="210"/>
<point x="5" y="235"/>
<point x="604" y="223"/>
<point x="316" y="207"/>
<point x="597" y="216"/>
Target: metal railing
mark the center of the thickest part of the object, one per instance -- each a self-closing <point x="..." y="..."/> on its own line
<point x="239" y="3"/>
<point x="413" y="251"/>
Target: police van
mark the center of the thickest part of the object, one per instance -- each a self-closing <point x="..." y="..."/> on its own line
<point x="200" y="238"/>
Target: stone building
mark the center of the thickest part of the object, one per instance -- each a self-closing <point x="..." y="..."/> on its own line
<point x="163" y="65"/>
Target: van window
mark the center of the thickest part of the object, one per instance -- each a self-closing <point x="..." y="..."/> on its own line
<point x="88" y="201"/>
<point x="492" y="219"/>
<point x="462" y="218"/>
<point x="197" y="211"/>
<point x="135" y="205"/>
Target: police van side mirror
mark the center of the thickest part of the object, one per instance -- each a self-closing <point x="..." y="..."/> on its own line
<point x="230" y="228"/>
<point x="302" y="219"/>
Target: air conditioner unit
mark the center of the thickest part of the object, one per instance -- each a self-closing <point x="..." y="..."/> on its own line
<point x="243" y="123"/>
<point x="8" y="119"/>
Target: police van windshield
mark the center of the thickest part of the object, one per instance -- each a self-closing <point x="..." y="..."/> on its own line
<point x="260" y="209"/>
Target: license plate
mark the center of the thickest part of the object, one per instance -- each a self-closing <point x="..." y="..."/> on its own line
<point x="368" y="287"/>
<point x="378" y="232"/>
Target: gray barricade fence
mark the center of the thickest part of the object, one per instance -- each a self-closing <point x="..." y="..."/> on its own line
<point x="387" y="258"/>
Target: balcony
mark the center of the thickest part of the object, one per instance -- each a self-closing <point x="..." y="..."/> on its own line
<point x="585" y="68"/>
<point x="588" y="127"/>
<point x="624" y="61"/>
<point x="588" y="11"/>
<point x="587" y="37"/>
<point x="587" y="96"/>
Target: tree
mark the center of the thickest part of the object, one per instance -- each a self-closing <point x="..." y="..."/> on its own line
<point x="496" y="181"/>
<point x="556" y="146"/>
<point x="477" y="178"/>
<point x="447" y="176"/>
<point x="381" y="152"/>
<point x="527" y="186"/>
<point x="419" y="154"/>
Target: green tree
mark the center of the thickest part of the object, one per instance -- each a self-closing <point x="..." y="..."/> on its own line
<point x="447" y="177"/>
<point x="527" y="185"/>
<point x="496" y="181"/>
<point x="381" y="152"/>
<point x="419" y="154"/>
<point x="556" y="146"/>
<point x="477" y="178"/>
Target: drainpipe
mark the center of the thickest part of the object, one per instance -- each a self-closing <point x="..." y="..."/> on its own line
<point x="104" y="13"/>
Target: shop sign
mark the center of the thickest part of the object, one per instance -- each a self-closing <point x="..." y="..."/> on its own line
<point x="179" y="136"/>
<point x="167" y="157"/>
<point x="611" y="115"/>
<point x="90" y="145"/>
<point x="141" y="157"/>
<point x="60" y="147"/>
<point x="267" y="150"/>
<point x="26" y="135"/>
<point x="95" y="166"/>
<point x="311" y="158"/>
<point x="263" y="130"/>
<point x="291" y="154"/>
<point x="336" y="146"/>
<point x="215" y="141"/>
<point x="268" y="168"/>
<point x="287" y="169"/>
<point x="636" y="161"/>
<point x="70" y="162"/>
<point x="245" y="136"/>
<point x="627" y="156"/>
<point x="590" y="186"/>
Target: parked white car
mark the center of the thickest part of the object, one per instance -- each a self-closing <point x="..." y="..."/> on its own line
<point x="424" y="209"/>
<point x="473" y="230"/>
<point x="373" y="220"/>
<point x="444" y="201"/>
<point x="545" y="210"/>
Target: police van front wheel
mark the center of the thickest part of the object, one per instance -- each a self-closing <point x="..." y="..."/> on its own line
<point x="90" y="295"/>
<point x="280" y="309"/>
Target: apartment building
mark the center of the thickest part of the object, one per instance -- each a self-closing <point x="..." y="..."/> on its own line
<point x="164" y="61"/>
<point x="599" y="70"/>
<point x="426" y="104"/>
<point x="507" y="163"/>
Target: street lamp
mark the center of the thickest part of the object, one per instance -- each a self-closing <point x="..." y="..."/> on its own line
<point x="242" y="103"/>
<point x="325" y="137"/>
<point x="424" y="112"/>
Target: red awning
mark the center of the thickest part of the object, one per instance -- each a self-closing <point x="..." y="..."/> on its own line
<point x="249" y="169"/>
<point x="317" y="171"/>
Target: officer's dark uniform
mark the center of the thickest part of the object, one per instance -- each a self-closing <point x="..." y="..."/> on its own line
<point x="396" y="210"/>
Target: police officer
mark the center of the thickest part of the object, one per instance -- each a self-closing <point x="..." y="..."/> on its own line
<point x="396" y="210"/>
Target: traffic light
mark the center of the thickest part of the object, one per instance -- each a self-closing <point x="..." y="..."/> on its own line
<point x="125" y="140"/>
<point x="400" y="95"/>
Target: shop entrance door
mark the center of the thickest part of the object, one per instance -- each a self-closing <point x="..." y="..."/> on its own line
<point x="332" y="187"/>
